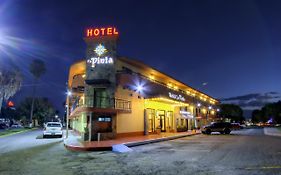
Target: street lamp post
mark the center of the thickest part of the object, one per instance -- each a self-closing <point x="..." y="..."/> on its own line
<point x="67" y="112"/>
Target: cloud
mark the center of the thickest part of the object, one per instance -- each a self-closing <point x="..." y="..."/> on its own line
<point x="254" y="100"/>
<point x="250" y="102"/>
<point x="257" y="96"/>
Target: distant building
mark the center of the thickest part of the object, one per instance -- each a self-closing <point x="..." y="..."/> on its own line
<point x="118" y="96"/>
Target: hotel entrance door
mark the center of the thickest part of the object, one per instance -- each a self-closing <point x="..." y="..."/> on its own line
<point x="161" y="120"/>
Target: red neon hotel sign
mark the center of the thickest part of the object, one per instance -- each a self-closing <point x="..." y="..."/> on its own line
<point x="105" y="31"/>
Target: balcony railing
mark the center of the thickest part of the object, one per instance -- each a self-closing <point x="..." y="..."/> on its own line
<point x="123" y="104"/>
<point x="102" y="102"/>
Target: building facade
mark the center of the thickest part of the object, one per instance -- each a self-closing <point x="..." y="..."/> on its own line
<point x="115" y="96"/>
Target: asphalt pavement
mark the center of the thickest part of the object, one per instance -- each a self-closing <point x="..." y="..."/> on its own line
<point x="24" y="140"/>
<point x="245" y="152"/>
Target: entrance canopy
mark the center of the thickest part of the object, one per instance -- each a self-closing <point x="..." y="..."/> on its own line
<point x="167" y="101"/>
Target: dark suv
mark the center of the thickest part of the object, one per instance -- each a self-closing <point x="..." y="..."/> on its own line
<point x="221" y="127"/>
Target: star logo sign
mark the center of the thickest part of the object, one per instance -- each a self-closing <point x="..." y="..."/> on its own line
<point x="100" y="50"/>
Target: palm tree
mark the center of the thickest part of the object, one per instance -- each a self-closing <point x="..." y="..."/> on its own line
<point x="10" y="83"/>
<point x="37" y="69"/>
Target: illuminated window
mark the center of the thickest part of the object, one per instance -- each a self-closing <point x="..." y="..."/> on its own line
<point x="104" y="119"/>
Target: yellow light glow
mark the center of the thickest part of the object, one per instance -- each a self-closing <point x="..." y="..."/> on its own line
<point x="204" y="111"/>
<point x="213" y="112"/>
<point x="151" y="77"/>
<point x="187" y="92"/>
<point x="158" y="104"/>
<point x="191" y="108"/>
<point x="174" y="102"/>
<point x="170" y="85"/>
<point x="175" y="87"/>
<point x="84" y="75"/>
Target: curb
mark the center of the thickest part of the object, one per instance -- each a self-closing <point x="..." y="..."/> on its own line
<point x="132" y="144"/>
<point x="79" y="148"/>
<point x="18" y="132"/>
<point x="271" y="134"/>
<point x="129" y="144"/>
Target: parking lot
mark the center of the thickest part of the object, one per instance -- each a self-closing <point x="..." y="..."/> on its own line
<point x="247" y="151"/>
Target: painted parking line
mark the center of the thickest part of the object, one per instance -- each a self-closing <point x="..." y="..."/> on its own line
<point x="264" y="167"/>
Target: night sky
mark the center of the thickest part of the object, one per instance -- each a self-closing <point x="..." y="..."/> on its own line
<point x="234" y="46"/>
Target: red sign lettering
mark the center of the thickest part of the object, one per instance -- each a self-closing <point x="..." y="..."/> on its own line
<point x="96" y="32"/>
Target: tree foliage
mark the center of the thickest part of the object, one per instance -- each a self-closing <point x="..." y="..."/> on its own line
<point x="258" y="116"/>
<point x="10" y="83"/>
<point x="231" y="111"/>
<point x="43" y="109"/>
<point x="269" y="111"/>
<point x="37" y="68"/>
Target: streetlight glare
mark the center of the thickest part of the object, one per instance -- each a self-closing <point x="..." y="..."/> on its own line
<point x="139" y="88"/>
<point x="68" y="93"/>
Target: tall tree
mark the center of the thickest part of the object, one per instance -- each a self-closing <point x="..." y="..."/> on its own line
<point x="270" y="111"/>
<point x="37" y="69"/>
<point x="43" y="109"/>
<point x="258" y="116"/>
<point x="231" y="111"/>
<point x="10" y="83"/>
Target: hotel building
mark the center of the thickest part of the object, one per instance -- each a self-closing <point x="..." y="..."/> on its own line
<point x="114" y="96"/>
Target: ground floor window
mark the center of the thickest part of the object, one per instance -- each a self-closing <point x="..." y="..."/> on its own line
<point x="182" y="124"/>
<point x="103" y="124"/>
<point x="104" y="119"/>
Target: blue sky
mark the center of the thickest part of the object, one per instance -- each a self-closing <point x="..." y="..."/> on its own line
<point x="232" y="45"/>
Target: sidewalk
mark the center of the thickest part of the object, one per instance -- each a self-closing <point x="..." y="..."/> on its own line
<point x="272" y="132"/>
<point x="74" y="143"/>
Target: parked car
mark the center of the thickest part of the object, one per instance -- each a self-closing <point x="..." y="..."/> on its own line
<point x="16" y="125"/>
<point x="52" y="129"/>
<point x="221" y="127"/>
<point x="3" y="126"/>
<point x="236" y="126"/>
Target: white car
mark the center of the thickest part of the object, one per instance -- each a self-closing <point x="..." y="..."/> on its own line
<point x="52" y="129"/>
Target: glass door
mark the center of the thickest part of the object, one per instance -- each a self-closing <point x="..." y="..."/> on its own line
<point x="170" y="121"/>
<point x="162" y="123"/>
<point x="151" y="120"/>
<point x="161" y="117"/>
